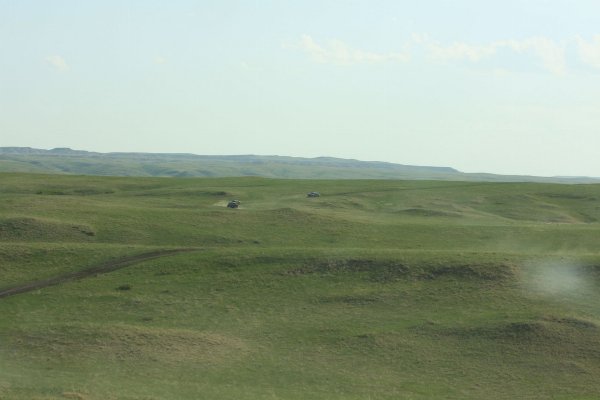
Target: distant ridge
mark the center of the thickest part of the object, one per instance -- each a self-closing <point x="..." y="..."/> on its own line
<point x="58" y="150"/>
<point x="68" y="161"/>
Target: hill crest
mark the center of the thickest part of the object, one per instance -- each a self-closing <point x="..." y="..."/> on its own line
<point x="64" y="160"/>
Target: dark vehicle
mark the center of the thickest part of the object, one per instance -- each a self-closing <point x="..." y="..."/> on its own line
<point x="233" y="204"/>
<point x="313" y="194"/>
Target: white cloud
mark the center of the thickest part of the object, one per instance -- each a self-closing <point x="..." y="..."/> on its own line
<point x="57" y="62"/>
<point x="459" y="51"/>
<point x="589" y="52"/>
<point x="551" y="54"/>
<point x="456" y="50"/>
<point x="338" y="52"/>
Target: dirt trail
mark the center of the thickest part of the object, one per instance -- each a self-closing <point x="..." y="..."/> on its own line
<point x="108" y="266"/>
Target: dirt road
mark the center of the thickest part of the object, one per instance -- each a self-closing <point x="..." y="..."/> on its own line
<point x="96" y="269"/>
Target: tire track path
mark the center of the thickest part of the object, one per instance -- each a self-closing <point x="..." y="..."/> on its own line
<point x="102" y="268"/>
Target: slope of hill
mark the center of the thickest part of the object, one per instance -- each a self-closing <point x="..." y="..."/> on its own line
<point x="67" y="161"/>
<point x="377" y="289"/>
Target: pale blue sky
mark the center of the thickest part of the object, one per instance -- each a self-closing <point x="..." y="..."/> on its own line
<point x="506" y="86"/>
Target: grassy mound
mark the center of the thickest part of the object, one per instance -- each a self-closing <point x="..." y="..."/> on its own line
<point x="37" y="229"/>
<point x="77" y="343"/>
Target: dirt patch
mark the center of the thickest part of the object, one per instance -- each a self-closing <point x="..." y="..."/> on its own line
<point x="224" y="203"/>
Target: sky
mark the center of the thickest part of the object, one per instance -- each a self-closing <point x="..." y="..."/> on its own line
<point x="509" y="87"/>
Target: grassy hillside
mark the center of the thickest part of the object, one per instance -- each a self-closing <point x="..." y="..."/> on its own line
<point x="376" y="289"/>
<point x="67" y="161"/>
<point x="78" y="162"/>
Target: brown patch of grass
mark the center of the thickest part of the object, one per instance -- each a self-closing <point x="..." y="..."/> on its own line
<point x="576" y="323"/>
<point x="387" y="271"/>
<point x="354" y="300"/>
<point x="74" y="395"/>
<point x="127" y="342"/>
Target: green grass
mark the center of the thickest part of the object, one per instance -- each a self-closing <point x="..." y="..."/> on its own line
<point x="376" y="290"/>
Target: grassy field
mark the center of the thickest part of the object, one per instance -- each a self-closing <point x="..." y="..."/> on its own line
<point x="375" y="290"/>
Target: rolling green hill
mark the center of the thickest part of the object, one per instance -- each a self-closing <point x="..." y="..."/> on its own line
<point x="380" y="289"/>
<point x="77" y="162"/>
